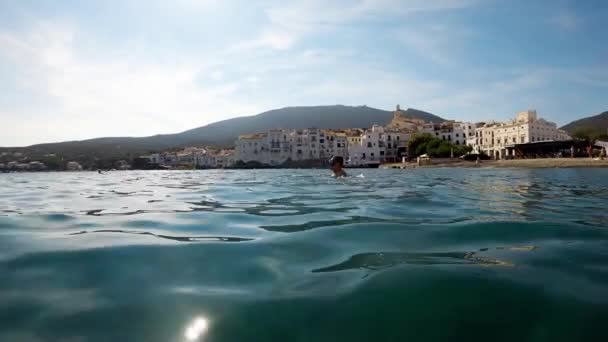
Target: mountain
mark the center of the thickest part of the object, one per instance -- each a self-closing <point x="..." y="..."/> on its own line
<point x="226" y="132"/>
<point x="222" y="133"/>
<point x="596" y="125"/>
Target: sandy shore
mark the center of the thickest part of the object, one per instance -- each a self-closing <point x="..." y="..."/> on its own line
<point x="517" y="163"/>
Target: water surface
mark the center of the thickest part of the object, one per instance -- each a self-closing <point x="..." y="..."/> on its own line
<point x="295" y="255"/>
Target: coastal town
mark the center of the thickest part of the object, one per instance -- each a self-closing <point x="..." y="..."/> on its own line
<point x="524" y="136"/>
<point x="372" y="146"/>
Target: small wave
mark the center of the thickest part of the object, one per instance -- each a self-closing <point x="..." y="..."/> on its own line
<point x="383" y="260"/>
<point x="169" y="237"/>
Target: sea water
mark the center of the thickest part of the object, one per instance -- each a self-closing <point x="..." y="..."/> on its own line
<point x="296" y="255"/>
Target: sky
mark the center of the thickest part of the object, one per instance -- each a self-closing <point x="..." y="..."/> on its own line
<point x="78" y="69"/>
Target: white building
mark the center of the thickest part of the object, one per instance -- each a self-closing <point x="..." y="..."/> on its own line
<point x="307" y="144"/>
<point x="396" y="144"/>
<point x="224" y="158"/>
<point x="336" y="144"/>
<point x="280" y="145"/>
<point x="457" y="133"/>
<point x="74" y="166"/>
<point x="275" y="147"/>
<point x="495" y="138"/>
<point x="370" y="149"/>
<point x="250" y="148"/>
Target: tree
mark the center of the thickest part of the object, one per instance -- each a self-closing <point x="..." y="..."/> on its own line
<point x="590" y="136"/>
<point x="427" y="144"/>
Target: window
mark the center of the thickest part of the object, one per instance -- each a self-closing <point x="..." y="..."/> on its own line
<point x="457" y="135"/>
<point x="371" y="154"/>
<point x="388" y="138"/>
<point x="397" y="138"/>
<point x="514" y="140"/>
<point x="381" y="153"/>
<point x="532" y="139"/>
<point x="457" y="142"/>
<point x="322" y="141"/>
<point x="362" y="155"/>
<point x="522" y="139"/>
<point x="369" y="144"/>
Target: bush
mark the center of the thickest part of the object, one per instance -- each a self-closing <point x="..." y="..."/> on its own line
<point x="443" y="151"/>
<point x="426" y="143"/>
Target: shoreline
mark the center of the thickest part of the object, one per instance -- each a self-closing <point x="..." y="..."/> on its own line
<point x="540" y="163"/>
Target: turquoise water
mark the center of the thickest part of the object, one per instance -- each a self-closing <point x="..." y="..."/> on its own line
<point x="295" y="255"/>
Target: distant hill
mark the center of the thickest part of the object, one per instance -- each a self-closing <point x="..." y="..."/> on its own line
<point x="597" y="124"/>
<point x="222" y="133"/>
<point x="226" y="132"/>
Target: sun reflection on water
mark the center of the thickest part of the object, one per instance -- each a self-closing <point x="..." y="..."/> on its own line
<point x="196" y="329"/>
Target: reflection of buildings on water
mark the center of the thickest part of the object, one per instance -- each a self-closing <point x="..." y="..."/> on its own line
<point x="502" y="195"/>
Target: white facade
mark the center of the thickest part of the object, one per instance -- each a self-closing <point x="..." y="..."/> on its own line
<point x="275" y="147"/>
<point x="495" y="138"/>
<point x="194" y="157"/>
<point x="306" y="144"/>
<point x="457" y="133"/>
<point x="396" y="144"/>
<point x="250" y="148"/>
<point x="371" y="148"/>
<point x="280" y="145"/>
<point x="338" y="144"/>
<point x="73" y="166"/>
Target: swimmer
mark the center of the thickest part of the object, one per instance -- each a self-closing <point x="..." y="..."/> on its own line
<point x="337" y="166"/>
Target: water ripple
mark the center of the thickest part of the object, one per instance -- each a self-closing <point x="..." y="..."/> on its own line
<point x="169" y="237"/>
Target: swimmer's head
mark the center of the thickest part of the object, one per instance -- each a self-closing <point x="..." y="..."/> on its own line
<point x="337" y="163"/>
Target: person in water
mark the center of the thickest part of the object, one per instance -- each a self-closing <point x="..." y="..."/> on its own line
<point x="337" y="166"/>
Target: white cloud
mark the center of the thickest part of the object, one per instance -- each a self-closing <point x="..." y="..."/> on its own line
<point x="290" y="22"/>
<point x="136" y="85"/>
<point x="127" y="96"/>
<point x="279" y="39"/>
<point x="436" y="43"/>
<point x="566" y="20"/>
<point x="217" y="75"/>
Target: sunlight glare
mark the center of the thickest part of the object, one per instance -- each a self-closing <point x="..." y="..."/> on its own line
<point x="195" y="330"/>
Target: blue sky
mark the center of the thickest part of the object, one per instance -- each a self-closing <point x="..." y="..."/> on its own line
<point x="82" y="69"/>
